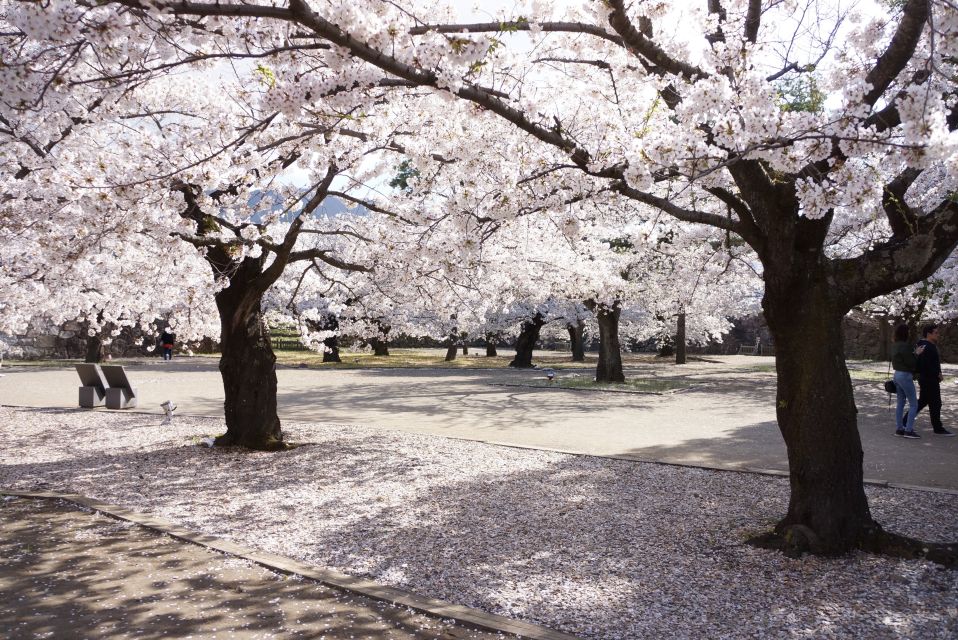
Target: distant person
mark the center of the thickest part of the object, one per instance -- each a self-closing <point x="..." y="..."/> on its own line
<point x="904" y="360"/>
<point x="167" y="340"/>
<point x="929" y="378"/>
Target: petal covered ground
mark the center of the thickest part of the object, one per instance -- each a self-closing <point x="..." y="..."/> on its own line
<point x="595" y="547"/>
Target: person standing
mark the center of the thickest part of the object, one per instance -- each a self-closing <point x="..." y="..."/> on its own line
<point x="929" y="378"/>
<point x="167" y="341"/>
<point x="904" y="360"/>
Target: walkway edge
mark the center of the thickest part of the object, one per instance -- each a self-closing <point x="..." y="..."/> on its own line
<point x="465" y="615"/>
<point x="875" y="482"/>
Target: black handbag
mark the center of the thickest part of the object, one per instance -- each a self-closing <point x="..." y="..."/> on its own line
<point x="890" y="386"/>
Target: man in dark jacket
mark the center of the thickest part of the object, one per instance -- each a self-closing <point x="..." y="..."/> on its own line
<point x="929" y="378"/>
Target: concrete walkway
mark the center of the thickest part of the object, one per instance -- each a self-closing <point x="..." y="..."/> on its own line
<point x="725" y="421"/>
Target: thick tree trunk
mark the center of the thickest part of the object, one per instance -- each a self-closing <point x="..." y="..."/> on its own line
<point x="526" y="342"/>
<point x="380" y="343"/>
<point x="828" y="512"/>
<point x="331" y="344"/>
<point x="95" y="349"/>
<point x="576" y="338"/>
<point x="380" y="347"/>
<point x="680" y="339"/>
<point x="248" y="366"/>
<point x="609" y="368"/>
<point x="884" y="338"/>
<point x="331" y="352"/>
<point x="465" y="349"/>
<point x="451" y="351"/>
<point x="491" y="346"/>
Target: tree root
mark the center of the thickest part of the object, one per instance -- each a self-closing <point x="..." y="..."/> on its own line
<point x="270" y="444"/>
<point x="797" y="539"/>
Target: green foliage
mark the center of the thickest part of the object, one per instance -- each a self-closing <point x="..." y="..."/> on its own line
<point x="513" y="27"/>
<point x="404" y="173"/>
<point x="266" y="75"/>
<point x="801" y="93"/>
<point x="621" y="245"/>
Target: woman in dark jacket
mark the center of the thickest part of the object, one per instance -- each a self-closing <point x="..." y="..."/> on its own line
<point x="904" y="360"/>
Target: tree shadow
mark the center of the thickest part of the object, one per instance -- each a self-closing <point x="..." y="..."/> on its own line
<point x="598" y="547"/>
<point x="68" y="573"/>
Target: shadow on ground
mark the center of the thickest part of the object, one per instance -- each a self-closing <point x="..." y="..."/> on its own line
<point x="68" y="573"/>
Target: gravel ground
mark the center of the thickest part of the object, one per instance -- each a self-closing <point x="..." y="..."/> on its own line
<point x="595" y="547"/>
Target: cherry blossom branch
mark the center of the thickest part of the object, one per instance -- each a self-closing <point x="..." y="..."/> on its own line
<point x="901" y="261"/>
<point x="688" y="215"/>
<point x="899" y="51"/>
<point x="753" y="20"/>
<point x="640" y="45"/>
<point x="517" y="25"/>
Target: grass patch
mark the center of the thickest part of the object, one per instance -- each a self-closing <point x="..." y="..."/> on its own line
<point x="759" y="368"/>
<point x="397" y="358"/>
<point x="869" y="376"/>
<point x="434" y="359"/>
<point x="631" y="385"/>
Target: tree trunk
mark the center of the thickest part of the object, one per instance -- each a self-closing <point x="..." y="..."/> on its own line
<point x="329" y="322"/>
<point x="828" y="512"/>
<point x="451" y="351"/>
<point x="884" y="339"/>
<point x="609" y="368"/>
<point x="465" y="349"/>
<point x="380" y="347"/>
<point x="680" y="339"/>
<point x="491" y="346"/>
<point x="380" y="343"/>
<point x="526" y="342"/>
<point x="576" y="337"/>
<point x="95" y="349"/>
<point x="247" y="365"/>
<point x="331" y="344"/>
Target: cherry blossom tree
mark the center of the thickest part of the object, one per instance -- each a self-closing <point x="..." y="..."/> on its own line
<point x="612" y="98"/>
<point x="691" y="122"/>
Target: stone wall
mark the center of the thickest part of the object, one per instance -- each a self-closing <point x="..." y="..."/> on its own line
<point x="69" y="341"/>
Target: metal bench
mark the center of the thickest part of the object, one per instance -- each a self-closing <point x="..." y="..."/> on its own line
<point x="120" y="394"/>
<point x="93" y="391"/>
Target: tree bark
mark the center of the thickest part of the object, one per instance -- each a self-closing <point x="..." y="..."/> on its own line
<point x="380" y="347"/>
<point x="331" y="344"/>
<point x="884" y="338"/>
<point x="451" y="351"/>
<point x="465" y="349"/>
<point x="491" y="346"/>
<point x="609" y="368"/>
<point x="577" y="339"/>
<point x="680" y="357"/>
<point x="828" y="511"/>
<point x="526" y="342"/>
<point x="379" y="344"/>
<point x="95" y="349"/>
<point x="329" y="322"/>
<point x="247" y="365"/>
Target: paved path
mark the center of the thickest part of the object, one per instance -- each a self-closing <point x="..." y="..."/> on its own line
<point x="727" y="421"/>
<point x="66" y="573"/>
